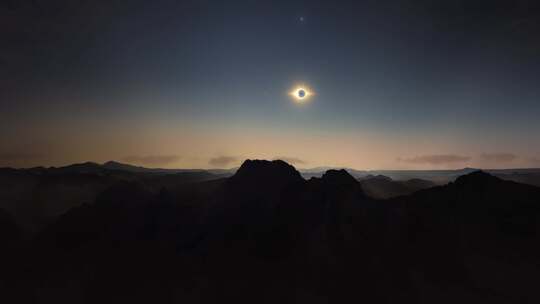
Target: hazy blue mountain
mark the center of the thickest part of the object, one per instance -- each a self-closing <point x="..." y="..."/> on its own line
<point x="382" y="187"/>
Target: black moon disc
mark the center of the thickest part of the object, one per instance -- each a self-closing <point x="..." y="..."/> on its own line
<point x="301" y="93"/>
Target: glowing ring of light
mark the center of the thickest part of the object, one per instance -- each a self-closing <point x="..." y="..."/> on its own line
<point x="301" y="94"/>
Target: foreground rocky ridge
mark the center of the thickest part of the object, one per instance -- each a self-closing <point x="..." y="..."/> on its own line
<point x="268" y="235"/>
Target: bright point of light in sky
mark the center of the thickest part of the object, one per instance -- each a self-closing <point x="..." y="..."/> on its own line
<point x="301" y="93"/>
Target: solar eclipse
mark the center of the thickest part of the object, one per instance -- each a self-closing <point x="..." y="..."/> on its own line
<point x="301" y="94"/>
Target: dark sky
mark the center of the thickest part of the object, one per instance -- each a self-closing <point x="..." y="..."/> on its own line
<point x="397" y="84"/>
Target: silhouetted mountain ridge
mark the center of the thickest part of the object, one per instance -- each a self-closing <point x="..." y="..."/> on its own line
<point x="266" y="234"/>
<point x="338" y="177"/>
<point x="262" y="175"/>
<point x="383" y="187"/>
<point x="276" y="170"/>
<point x="477" y="178"/>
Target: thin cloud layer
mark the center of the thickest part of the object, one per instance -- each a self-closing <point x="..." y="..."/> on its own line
<point x="223" y="161"/>
<point x="152" y="159"/>
<point x="19" y="156"/>
<point x="436" y="159"/>
<point x="498" y="157"/>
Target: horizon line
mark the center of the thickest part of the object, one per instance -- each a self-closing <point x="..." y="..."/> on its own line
<point x="321" y="168"/>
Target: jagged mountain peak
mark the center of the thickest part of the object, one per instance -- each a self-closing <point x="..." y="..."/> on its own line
<point x="338" y="177"/>
<point x="267" y="170"/>
<point x="476" y="178"/>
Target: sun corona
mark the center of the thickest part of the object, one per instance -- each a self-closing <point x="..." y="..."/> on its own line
<point x="301" y="94"/>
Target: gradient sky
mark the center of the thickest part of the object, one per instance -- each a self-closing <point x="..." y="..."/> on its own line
<point x="399" y="84"/>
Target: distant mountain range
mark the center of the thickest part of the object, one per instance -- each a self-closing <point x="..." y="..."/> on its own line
<point x="440" y="177"/>
<point x="382" y="187"/>
<point x="36" y="196"/>
<point x="524" y="175"/>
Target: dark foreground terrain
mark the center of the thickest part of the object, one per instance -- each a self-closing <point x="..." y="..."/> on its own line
<point x="92" y="234"/>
